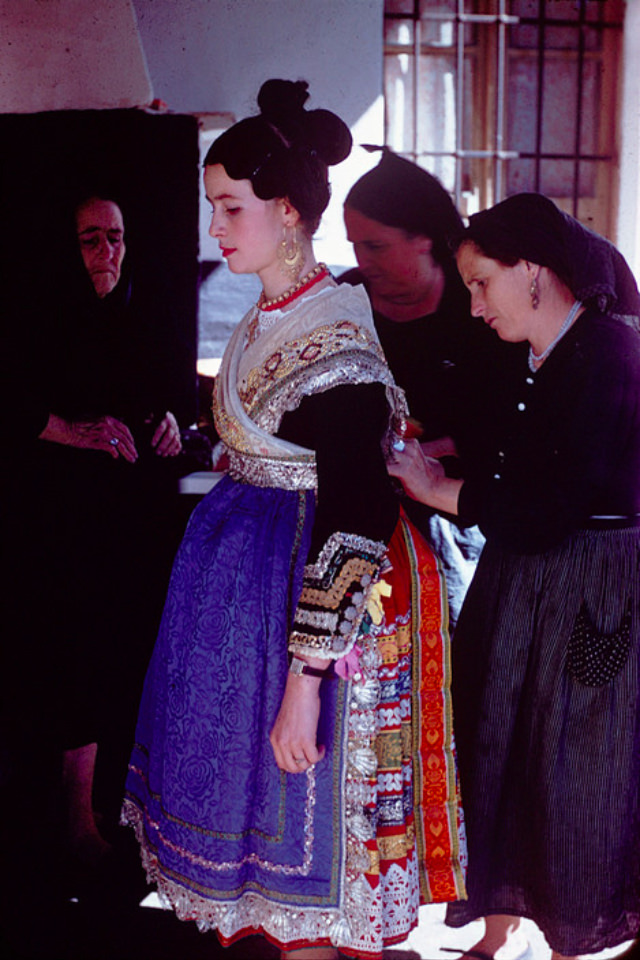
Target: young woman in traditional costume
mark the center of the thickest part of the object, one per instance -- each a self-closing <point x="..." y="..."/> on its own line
<point x="293" y="772"/>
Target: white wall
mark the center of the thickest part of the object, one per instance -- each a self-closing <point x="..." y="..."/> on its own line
<point x="213" y="55"/>
<point x="70" y="54"/>
<point x="210" y="55"/>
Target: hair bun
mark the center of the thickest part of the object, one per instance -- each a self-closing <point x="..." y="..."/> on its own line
<point x="286" y="150"/>
<point x="328" y="135"/>
<point x="282" y="103"/>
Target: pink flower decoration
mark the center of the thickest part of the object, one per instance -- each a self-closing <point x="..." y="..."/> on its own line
<point x="347" y="667"/>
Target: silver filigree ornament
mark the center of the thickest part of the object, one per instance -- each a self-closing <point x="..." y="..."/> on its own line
<point x="340" y="933"/>
<point x="360" y="892"/>
<point x="360" y="827"/>
<point x="367" y="694"/>
<point x="364" y="760"/>
<point x="364" y="725"/>
<point x="358" y="858"/>
<point x="357" y="793"/>
<point x="370" y="658"/>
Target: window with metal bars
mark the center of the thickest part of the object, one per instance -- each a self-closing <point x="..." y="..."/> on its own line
<point x="499" y="96"/>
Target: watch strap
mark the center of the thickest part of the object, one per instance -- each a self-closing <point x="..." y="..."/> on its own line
<point x="298" y="667"/>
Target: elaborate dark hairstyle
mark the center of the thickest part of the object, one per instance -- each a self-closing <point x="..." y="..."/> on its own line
<point x="286" y="150"/>
<point x="529" y="226"/>
<point x="401" y="194"/>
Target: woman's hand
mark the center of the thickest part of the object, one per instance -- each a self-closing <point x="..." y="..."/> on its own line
<point x="424" y="478"/>
<point x="105" y="433"/>
<point x="166" y="439"/>
<point x="295" y="731"/>
<point x="418" y="472"/>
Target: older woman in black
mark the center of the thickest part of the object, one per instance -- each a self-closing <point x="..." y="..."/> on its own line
<point x="547" y="655"/>
<point x="91" y="540"/>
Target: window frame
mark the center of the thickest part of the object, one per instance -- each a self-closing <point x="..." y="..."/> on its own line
<point x="481" y="171"/>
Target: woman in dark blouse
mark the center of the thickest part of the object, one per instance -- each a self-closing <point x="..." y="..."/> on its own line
<point x="400" y="219"/>
<point x="546" y="663"/>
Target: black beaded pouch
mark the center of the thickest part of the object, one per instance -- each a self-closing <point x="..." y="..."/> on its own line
<point x="594" y="658"/>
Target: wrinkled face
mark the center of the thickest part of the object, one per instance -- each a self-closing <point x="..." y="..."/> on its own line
<point x="100" y="230"/>
<point x="394" y="263"/>
<point x="499" y="294"/>
<point x="249" y="230"/>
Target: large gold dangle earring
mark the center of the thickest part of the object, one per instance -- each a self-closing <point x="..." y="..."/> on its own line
<point x="290" y="255"/>
<point x="534" y="293"/>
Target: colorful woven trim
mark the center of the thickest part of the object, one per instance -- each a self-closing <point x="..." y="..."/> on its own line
<point x="334" y="596"/>
<point x="439" y="818"/>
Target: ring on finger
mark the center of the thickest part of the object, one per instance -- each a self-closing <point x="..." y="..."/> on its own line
<point x="114" y="441"/>
<point x="298" y="759"/>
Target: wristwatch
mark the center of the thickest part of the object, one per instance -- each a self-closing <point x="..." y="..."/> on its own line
<point x="298" y="667"/>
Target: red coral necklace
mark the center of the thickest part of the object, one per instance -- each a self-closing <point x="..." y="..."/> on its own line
<point x="305" y="283"/>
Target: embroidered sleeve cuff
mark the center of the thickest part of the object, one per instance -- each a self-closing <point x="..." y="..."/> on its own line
<point x="334" y="596"/>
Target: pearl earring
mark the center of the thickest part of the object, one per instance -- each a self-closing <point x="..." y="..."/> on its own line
<point x="534" y="293"/>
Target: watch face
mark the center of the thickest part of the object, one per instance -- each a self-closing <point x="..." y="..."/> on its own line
<point x="296" y="666"/>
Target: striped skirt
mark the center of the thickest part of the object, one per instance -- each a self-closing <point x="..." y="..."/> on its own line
<point x="546" y="695"/>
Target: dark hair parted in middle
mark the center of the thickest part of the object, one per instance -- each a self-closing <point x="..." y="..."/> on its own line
<point x="401" y="194"/>
<point x="286" y="150"/>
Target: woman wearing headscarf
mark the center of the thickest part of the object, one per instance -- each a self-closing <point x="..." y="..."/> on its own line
<point x="91" y="536"/>
<point x="400" y="220"/>
<point x="546" y="662"/>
